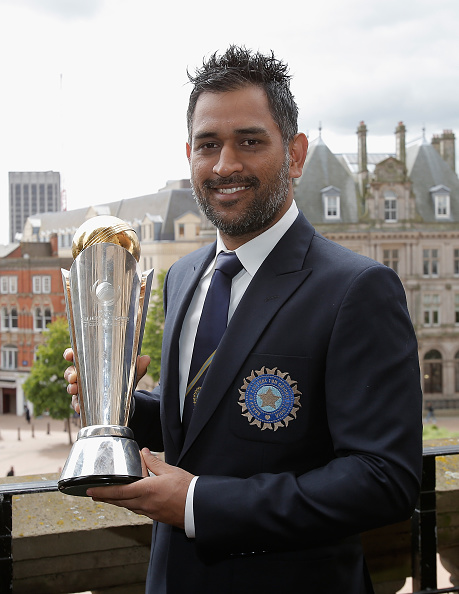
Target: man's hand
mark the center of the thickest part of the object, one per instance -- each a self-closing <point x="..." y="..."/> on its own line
<point x="71" y="377"/>
<point x="161" y="497"/>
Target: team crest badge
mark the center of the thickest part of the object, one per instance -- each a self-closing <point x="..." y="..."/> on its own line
<point x="269" y="399"/>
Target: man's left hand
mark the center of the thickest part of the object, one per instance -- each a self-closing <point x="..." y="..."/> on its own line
<point x="161" y="497"/>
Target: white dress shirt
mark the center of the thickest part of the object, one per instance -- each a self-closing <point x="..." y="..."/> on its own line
<point x="251" y="255"/>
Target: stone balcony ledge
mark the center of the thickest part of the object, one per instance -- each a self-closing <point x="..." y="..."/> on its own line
<point x="64" y="544"/>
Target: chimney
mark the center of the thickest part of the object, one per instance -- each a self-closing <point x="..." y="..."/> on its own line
<point x="54" y="246"/>
<point x="362" y="147"/>
<point x="436" y="142"/>
<point x="448" y="148"/>
<point x="400" y="142"/>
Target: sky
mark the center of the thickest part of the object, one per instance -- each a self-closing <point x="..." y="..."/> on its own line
<point x="97" y="89"/>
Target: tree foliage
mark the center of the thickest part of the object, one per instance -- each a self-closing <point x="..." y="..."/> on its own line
<point x="153" y="334"/>
<point x="46" y="387"/>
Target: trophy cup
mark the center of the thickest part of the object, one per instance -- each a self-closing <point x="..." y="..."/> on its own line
<point x="106" y="299"/>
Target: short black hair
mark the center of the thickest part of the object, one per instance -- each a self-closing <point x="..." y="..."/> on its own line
<point x="239" y="67"/>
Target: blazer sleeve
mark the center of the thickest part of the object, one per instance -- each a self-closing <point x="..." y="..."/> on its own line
<point x="373" y="402"/>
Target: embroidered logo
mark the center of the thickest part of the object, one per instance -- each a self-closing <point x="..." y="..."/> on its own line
<point x="269" y="398"/>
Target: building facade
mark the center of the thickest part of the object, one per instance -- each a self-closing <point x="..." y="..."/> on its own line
<point x="401" y="209"/>
<point x="31" y="297"/>
<point x="31" y="192"/>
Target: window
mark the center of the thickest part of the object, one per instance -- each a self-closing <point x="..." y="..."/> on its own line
<point x="9" y="318"/>
<point x="433" y="372"/>
<point x="332" y="207"/>
<point x="390" y="207"/>
<point x="50" y="202"/>
<point x="9" y="284"/>
<point x="331" y="198"/>
<point x="456" y="262"/>
<point x="391" y="259"/>
<point x="41" y="284"/>
<point x="41" y="318"/>
<point x="441" y="198"/>
<point x="430" y="262"/>
<point x="431" y="308"/>
<point x="146" y="231"/>
<point x="41" y="189"/>
<point x="456" y="309"/>
<point x="456" y="372"/>
<point x="442" y="207"/>
<point x="9" y="357"/>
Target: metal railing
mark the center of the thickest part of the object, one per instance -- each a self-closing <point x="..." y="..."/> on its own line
<point x="423" y="526"/>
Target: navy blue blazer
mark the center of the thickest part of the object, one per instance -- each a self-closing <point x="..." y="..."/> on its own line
<point x="307" y="430"/>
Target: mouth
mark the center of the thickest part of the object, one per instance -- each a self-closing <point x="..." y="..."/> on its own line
<point x="231" y="190"/>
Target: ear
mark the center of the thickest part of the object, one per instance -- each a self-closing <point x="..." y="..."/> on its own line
<point x="188" y="151"/>
<point x="298" y="150"/>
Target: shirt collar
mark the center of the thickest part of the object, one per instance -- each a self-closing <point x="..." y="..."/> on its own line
<point x="253" y="253"/>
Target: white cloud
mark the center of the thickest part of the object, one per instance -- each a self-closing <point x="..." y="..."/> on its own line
<point x="114" y="124"/>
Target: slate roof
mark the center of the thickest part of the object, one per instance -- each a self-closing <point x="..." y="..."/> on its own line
<point x="426" y="170"/>
<point x="166" y="204"/>
<point x="322" y="169"/>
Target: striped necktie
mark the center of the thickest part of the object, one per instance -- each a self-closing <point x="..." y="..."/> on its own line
<point x="211" y="327"/>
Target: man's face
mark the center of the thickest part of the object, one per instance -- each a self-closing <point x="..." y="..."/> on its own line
<point x="239" y="164"/>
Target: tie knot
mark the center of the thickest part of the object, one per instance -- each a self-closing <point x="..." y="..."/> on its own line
<point x="228" y="263"/>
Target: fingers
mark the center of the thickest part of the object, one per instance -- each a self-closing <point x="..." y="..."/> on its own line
<point x="144" y="467"/>
<point x="76" y="403"/>
<point x="153" y="463"/>
<point x="123" y="494"/>
<point x="70" y="376"/>
<point x="68" y="355"/>
<point x="142" y="364"/>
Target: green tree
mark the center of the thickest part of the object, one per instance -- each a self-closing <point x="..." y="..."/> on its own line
<point x="46" y="387"/>
<point x="153" y="334"/>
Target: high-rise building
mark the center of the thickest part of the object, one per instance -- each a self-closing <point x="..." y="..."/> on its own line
<point x="32" y="192"/>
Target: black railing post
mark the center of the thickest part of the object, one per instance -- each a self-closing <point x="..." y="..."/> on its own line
<point x="6" y="540"/>
<point x="425" y="531"/>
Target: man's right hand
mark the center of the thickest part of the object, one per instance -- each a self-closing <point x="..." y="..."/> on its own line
<point x="71" y="376"/>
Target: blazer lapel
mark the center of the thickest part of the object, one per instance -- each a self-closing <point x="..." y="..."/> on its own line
<point x="176" y="311"/>
<point x="279" y="276"/>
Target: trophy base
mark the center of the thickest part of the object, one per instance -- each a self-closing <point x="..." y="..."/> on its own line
<point x="102" y="455"/>
<point x="79" y="485"/>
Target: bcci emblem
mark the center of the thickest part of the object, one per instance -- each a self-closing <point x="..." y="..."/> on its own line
<point x="269" y="399"/>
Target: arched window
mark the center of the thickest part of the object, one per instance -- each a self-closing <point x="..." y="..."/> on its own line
<point x="41" y="318"/>
<point x="433" y="372"/>
<point x="38" y="319"/>
<point x="9" y="318"/>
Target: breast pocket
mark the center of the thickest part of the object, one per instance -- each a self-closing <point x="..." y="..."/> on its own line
<point x="271" y="399"/>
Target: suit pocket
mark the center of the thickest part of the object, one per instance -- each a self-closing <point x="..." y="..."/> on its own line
<point x="271" y="399"/>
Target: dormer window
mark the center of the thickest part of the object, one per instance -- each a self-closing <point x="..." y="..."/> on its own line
<point x="441" y="199"/>
<point x="390" y="207"/>
<point x="331" y="198"/>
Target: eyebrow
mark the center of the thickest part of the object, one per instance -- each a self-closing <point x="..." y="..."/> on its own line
<point x="255" y="130"/>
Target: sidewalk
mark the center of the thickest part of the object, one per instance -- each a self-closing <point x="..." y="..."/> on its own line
<point x="45" y="450"/>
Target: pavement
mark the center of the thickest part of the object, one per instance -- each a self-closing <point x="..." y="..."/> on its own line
<point x="42" y="446"/>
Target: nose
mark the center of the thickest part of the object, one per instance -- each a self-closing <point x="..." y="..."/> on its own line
<point x="228" y="163"/>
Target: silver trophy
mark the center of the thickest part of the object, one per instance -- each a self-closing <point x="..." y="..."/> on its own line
<point x="107" y="301"/>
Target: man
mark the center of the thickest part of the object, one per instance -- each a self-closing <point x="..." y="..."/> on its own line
<point x="307" y="427"/>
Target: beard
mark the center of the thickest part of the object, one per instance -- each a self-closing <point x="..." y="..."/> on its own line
<point x="260" y="211"/>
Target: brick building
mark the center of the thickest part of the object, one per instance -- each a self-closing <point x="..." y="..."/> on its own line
<point x="31" y="296"/>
